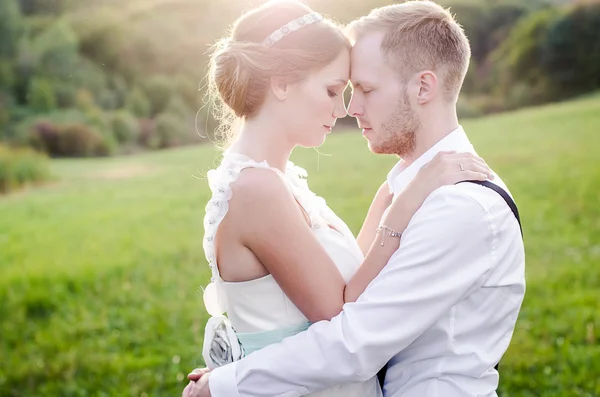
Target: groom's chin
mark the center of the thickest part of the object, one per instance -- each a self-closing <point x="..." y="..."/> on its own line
<point x="375" y="148"/>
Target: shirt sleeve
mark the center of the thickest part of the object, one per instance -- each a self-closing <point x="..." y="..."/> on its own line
<point x="445" y="254"/>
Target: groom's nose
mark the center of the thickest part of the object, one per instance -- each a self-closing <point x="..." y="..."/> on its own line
<point x="355" y="108"/>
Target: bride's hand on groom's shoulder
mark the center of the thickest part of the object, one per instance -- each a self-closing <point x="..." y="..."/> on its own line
<point x="448" y="168"/>
<point x="198" y="386"/>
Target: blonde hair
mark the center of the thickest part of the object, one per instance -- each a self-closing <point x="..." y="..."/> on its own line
<point x="420" y="35"/>
<point x="241" y="65"/>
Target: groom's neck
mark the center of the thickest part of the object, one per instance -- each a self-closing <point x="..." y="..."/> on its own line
<point x="433" y="128"/>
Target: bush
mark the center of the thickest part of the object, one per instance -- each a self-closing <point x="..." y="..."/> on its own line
<point x="7" y="75"/>
<point x="465" y="108"/>
<point x="84" y="100"/>
<point x="70" y="140"/>
<point x="92" y="77"/>
<point x="108" y="99"/>
<point x="147" y="134"/>
<point x="138" y="104"/>
<point x="6" y="103"/>
<point x="125" y="127"/>
<point x="487" y="104"/>
<point x="159" y="90"/>
<point x="99" y="120"/>
<point x="179" y="108"/>
<point x="167" y="130"/>
<point x="118" y="87"/>
<point x="79" y="140"/>
<point x="41" y="96"/>
<point x="19" y="167"/>
<point x="45" y="137"/>
<point x="187" y="87"/>
<point x="66" y="95"/>
<point x="26" y="120"/>
<point x="170" y="131"/>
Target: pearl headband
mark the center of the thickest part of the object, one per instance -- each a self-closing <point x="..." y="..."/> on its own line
<point x="292" y="26"/>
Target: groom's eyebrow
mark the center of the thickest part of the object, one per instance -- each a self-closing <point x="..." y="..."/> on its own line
<point x="341" y="81"/>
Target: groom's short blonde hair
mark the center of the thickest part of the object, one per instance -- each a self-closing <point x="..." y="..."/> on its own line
<point x="420" y="35"/>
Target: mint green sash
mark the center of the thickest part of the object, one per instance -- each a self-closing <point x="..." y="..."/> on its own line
<point x="254" y="341"/>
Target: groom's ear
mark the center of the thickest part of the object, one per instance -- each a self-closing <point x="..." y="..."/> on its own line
<point x="280" y="88"/>
<point x="428" y="86"/>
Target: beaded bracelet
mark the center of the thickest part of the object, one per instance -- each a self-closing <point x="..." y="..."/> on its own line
<point x="391" y="233"/>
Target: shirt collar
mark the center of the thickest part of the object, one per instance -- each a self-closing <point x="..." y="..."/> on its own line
<point x="401" y="175"/>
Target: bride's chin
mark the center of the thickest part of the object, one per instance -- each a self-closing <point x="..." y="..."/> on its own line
<point x="313" y="143"/>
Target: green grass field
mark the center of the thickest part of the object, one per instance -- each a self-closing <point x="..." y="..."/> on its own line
<point x="100" y="272"/>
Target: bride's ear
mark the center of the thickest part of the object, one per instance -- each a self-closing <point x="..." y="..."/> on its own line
<point x="279" y="88"/>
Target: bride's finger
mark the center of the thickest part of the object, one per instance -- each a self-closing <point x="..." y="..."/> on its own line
<point x="477" y="167"/>
<point x="462" y="166"/>
<point x="469" y="175"/>
<point x="480" y="161"/>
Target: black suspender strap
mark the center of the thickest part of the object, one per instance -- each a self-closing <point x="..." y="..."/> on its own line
<point x="513" y="207"/>
<point x="509" y="201"/>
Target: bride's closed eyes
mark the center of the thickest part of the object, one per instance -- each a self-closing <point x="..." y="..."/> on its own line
<point x="335" y="90"/>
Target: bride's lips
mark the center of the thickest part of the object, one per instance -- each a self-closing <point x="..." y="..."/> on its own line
<point x="327" y="127"/>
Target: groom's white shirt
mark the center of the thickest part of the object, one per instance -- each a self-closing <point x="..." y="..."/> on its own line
<point x="442" y="311"/>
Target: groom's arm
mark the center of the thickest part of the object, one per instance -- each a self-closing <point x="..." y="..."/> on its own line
<point x="444" y="255"/>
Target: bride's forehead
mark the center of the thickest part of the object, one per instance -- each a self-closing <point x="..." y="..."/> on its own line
<point x="338" y="69"/>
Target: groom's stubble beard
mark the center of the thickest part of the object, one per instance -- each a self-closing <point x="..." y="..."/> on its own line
<point x="399" y="132"/>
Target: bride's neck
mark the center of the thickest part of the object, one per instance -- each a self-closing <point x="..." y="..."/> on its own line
<point x="261" y="140"/>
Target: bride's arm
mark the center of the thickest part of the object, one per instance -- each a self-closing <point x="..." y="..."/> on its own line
<point x="273" y="227"/>
<point x="382" y="200"/>
<point x="444" y="169"/>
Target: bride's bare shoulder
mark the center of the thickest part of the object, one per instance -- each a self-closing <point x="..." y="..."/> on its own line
<point x="259" y="192"/>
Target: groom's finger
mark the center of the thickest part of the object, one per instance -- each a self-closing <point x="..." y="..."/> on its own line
<point x="194" y="377"/>
<point x="197" y="374"/>
<point x="187" y="390"/>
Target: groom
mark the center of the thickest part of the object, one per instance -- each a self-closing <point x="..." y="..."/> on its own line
<point x="442" y="312"/>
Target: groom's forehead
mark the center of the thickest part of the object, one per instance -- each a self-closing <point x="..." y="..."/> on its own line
<point x="366" y="60"/>
<point x="368" y="44"/>
<point x="366" y="50"/>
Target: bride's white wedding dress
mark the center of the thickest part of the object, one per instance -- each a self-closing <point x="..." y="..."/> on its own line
<point x="258" y="310"/>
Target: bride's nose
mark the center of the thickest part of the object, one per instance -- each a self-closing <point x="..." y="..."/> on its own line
<point x="340" y="110"/>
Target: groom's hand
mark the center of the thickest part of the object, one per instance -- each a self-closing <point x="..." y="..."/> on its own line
<point x="199" y="388"/>
<point x="197" y="374"/>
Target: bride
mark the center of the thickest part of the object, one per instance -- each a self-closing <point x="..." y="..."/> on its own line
<point x="280" y="258"/>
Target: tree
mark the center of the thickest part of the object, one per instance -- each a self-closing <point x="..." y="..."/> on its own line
<point x="57" y="50"/>
<point x="518" y="59"/>
<point x="11" y="28"/>
<point x="32" y="7"/>
<point x="571" y="50"/>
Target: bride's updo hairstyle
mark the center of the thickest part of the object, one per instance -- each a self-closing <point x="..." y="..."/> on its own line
<point x="281" y="39"/>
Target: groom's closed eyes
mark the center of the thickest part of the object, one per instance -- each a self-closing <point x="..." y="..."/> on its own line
<point x="357" y="85"/>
